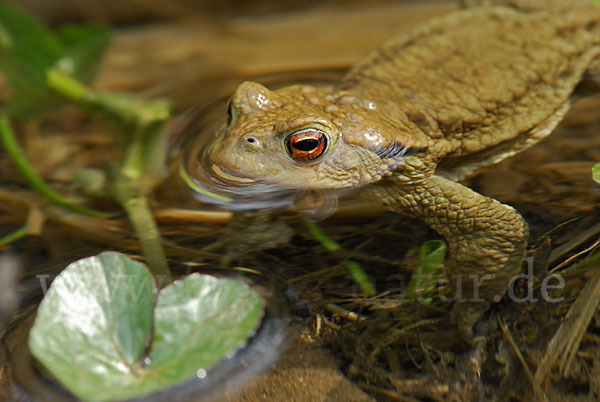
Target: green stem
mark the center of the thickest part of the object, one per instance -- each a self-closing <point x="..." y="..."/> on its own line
<point x="320" y="236"/>
<point x="360" y="277"/>
<point x="422" y="283"/>
<point x="353" y="268"/>
<point x="130" y="110"/>
<point x="133" y="165"/>
<point x="143" y="119"/>
<point x="145" y="227"/>
<point x="76" y="92"/>
<point x="66" y="86"/>
<point x="8" y="140"/>
<point x="13" y="236"/>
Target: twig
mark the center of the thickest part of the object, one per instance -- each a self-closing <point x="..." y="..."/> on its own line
<point x="539" y="393"/>
<point x="558" y="252"/>
<point x="574" y="257"/>
<point x="349" y="315"/>
<point x="393" y="335"/>
<point x="192" y="216"/>
<point x="563" y="346"/>
<point x="386" y="393"/>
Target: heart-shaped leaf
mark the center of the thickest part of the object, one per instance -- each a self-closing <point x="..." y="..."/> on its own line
<point x="104" y="332"/>
<point x="201" y="319"/>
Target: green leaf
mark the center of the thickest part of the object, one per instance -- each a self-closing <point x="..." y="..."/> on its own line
<point x="27" y="105"/>
<point x="596" y="173"/>
<point x="198" y="321"/>
<point x="94" y="324"/>
<point x="28" y="83"/>
<point x="28" y="50"/>
<point x="422" y="282"/>
<point x="84" y="46"/>
<point x="94" y="327"/>
<point x="27" y="40"/>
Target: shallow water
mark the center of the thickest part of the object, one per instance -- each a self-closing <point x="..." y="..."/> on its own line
<point x="549" y="184"/>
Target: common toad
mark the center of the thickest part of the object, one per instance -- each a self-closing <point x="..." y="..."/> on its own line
<point x="421" y="113"/>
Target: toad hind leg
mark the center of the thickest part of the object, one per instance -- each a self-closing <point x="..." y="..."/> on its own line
<point x="486" y="239"/>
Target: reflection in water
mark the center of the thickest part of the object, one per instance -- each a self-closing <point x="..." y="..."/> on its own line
<point x="212" y="185"/>
<point x="10" y="270"/>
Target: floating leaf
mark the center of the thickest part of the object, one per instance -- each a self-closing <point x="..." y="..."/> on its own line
<point x="198" y="321"/>
<point x="95" y="323"/>
<point x="94" y="328"/>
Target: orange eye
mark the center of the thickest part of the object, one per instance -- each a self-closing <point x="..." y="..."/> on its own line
<point x="306" y="145"/>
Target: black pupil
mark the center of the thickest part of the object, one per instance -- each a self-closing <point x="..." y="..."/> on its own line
<point x="307" y="145"/>
<point x="229" y="113"/>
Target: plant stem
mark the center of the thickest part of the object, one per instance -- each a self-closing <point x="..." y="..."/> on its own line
<point x="353" y="268"/>
<point x="360" y="277"/>
<point x="13" y="236"/>
<point x="8" y="140"/>
<point x="133" y="165"/>
<point x="129" y="110"/>
<point x="423" y="280"/>
<point x="66" y="86"/>
<point x="144" y="121"/>
<point x="320" y="236"/>
<point x="145" y="227"/>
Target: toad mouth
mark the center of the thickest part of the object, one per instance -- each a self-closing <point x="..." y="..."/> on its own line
<point x="229" y="178"/>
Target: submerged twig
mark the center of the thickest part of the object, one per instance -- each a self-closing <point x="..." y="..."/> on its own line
<point x="392" y="395"/>
<point x="563" y="346"/>
<point x="539" y="393"/>
<point x="349" y="315"/>
<point x="574" y="257"/>
<point x="581" y="238"/>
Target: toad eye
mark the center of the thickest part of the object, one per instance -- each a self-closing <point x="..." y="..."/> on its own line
<point x="233" y="114"/>
<point x="306" y="145"/>
<point x="229" y="112"/>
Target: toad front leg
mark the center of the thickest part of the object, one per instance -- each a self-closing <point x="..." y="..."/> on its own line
<point x="486" y="239"/>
